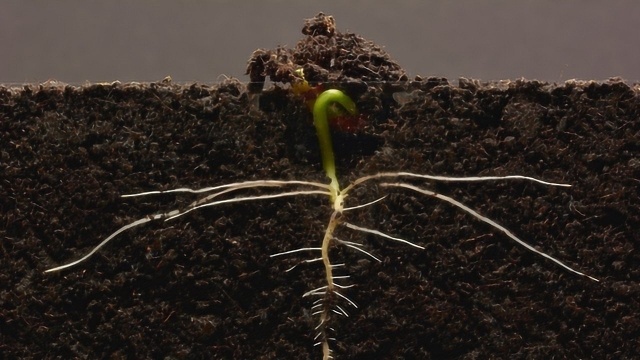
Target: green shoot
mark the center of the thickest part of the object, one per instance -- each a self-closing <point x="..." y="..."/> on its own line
<point x="321" y="122"/>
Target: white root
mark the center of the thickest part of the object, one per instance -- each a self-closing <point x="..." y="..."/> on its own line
<point x="355" y="246"/>
<point x="379" y="233"/>
<point x="198" y="205"/>
<point x="488" y="221"/>
<point x="203" y="203"/>
<point x="235" y="186"/>
<point x="364" y="205"/>
<point x="105" y="241"/>
<point x="449" y="178"/>
<point x="295" y="251"/>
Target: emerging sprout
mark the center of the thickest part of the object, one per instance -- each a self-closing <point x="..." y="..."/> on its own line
<point x="321" y="122"/>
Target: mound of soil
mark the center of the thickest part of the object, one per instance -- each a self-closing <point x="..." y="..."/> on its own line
<point x="204" y="285"/>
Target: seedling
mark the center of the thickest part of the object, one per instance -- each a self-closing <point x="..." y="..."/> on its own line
<point x="330" y="298"/>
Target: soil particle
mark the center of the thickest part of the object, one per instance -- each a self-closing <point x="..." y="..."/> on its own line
<point x="326" y="55"/>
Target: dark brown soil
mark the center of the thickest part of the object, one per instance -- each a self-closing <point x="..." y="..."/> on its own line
<point x="203" y="286"/>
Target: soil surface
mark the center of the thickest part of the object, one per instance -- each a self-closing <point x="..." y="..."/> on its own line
<point x="204" y="285"/>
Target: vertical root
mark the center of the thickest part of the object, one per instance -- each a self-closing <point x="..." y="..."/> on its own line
<point x="326" y="244"/>
<point x="325" y="315"/>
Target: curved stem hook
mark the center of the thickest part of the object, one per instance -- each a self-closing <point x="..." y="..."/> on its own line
<point x="321" y="122"/>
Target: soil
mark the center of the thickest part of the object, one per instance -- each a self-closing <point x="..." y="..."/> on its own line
<point x="204" y="285"/>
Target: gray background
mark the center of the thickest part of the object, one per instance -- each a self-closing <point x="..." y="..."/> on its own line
<point x="89" y="41"/>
